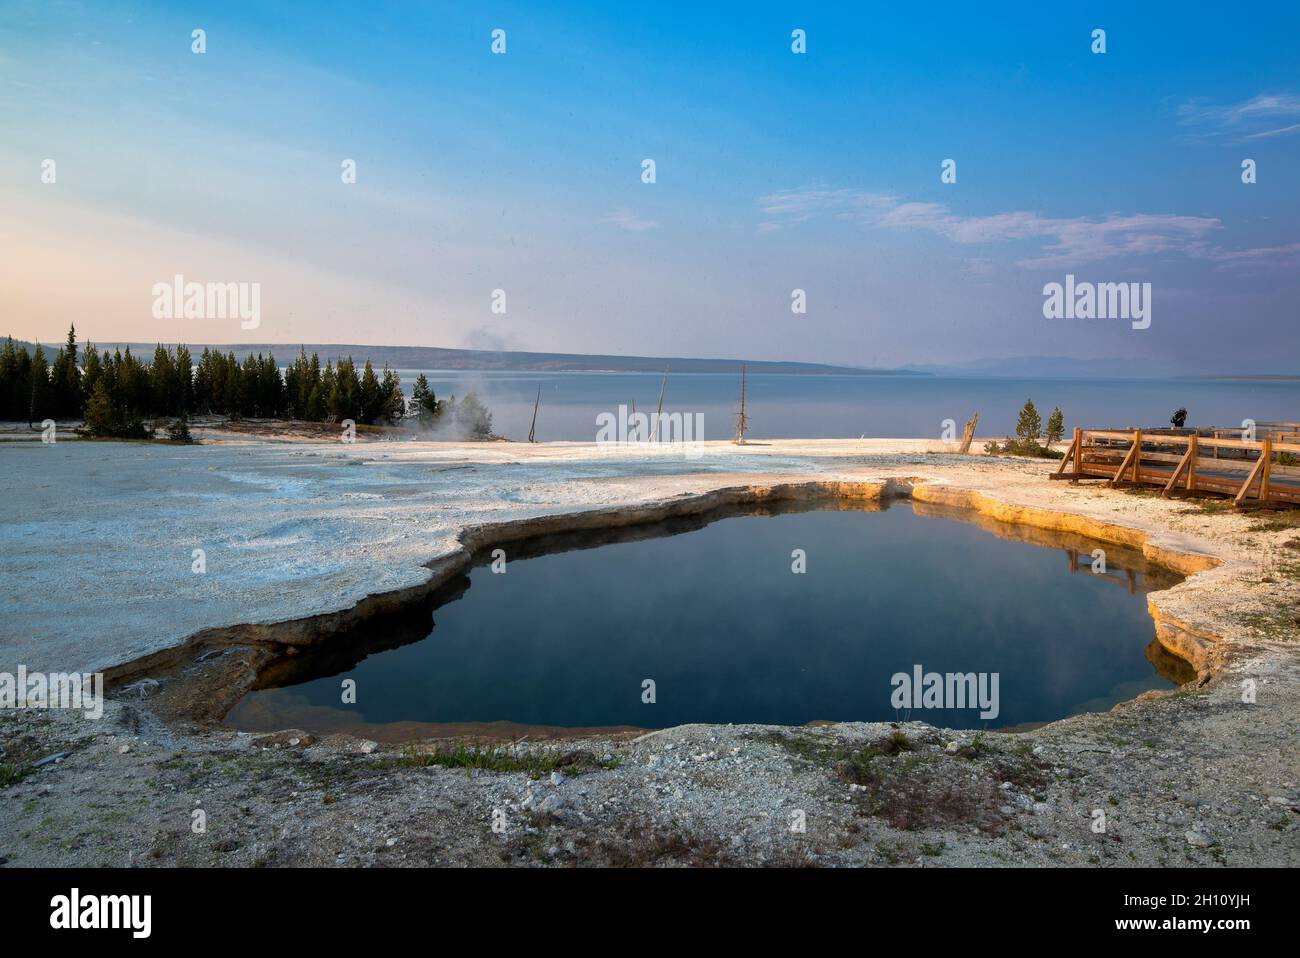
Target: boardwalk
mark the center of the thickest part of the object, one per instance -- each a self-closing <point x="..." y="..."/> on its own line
<point x="1262" y="471"/>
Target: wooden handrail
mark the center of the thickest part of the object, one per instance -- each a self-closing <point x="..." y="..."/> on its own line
<point x="1253" y="444"/>
<point x="1180" y="464"/>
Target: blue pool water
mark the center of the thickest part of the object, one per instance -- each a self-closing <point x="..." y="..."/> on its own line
<point x="714" y="616"/>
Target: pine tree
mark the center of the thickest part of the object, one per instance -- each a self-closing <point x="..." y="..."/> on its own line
<point x="106" y="417"/>
<point x="296" y="387"/>
<point x="184" y="382"/>
<point x="8" y="378"/>
<point x="423" y="403"/>
<point x="91" y="372"/>
<point x="65" y="380"/>
<point x="108" y="372"/>
<point x="329" y="394"/>
<point x="21" y="387"/>
<point x="273" y="396"/>
<point x="203" y="383"/>
<point x="134" y="387"/>
<point x="233" y="388"/>
<point x="392" y="404"/>
<point x="100" y="418"/>
<point x="39" y="406"/>
<point x="162" y="382"/>
<point x="314" y="394"/>
<point x="179" y="430"/>
<point x="344" y="395"/>
<point x="315" y="405"/>
<point x="1030" y="425"/>
<point x="1055" y="426"/>
<point x="369" y="395"/>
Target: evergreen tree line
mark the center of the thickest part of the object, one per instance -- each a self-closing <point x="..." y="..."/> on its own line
<point x="115" y="393"/>
<point x="31" y="389"/>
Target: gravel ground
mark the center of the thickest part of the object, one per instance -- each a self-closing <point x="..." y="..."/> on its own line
<point x="96" y="571"/>
<point x="1194" y="778"/>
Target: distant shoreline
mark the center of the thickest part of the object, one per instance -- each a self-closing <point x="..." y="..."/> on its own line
<point x="479" y="360"/>
<point x="438" y="359"/>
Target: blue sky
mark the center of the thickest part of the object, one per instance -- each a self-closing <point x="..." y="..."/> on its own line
<point x="775" y="171"/>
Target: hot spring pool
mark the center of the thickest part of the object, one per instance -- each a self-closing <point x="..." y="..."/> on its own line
<point x="711" y="612"/>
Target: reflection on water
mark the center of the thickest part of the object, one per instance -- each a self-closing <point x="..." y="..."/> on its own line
<point x="708" y="608"/>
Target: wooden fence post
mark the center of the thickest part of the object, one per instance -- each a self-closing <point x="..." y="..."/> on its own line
<point x="1250" y="479"/>
<point x="1185" y="463"/>
<point x="1267" y="454"/>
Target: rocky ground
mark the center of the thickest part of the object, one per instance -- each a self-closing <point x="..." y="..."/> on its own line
<point x="1196" y="776"/>
<point x="1192" y="778"/>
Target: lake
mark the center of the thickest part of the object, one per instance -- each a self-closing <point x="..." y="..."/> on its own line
<point x="837" y="407"/>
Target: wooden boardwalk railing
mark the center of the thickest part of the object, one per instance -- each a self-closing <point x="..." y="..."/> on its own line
<point x="1277" y="431"/>
<point x="1189" y="464"/>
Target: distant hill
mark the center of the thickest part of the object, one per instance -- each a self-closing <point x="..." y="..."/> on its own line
<point x="434" y="357"/>
<point x="1050" y="367"/>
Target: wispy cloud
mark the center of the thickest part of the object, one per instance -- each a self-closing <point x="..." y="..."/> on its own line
<point x="1258" y="258"/>
<point x="1280" y="131"/>
<point x="1064" y="241"/>
<point x="625" y="219"/>
<point x="801" y="205"/>
<point x="1248" y="120"/>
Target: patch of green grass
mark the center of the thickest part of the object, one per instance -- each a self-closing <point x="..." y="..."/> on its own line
<point x="828" y="752"/>
<point x="11" y="774"/>
<point x="1279" y="623"/>
<point x="809" y="748"/>
<point x="501" y="758"/>
<point x="890" y="853"/>
<point x="1021" y="447"/>
<point x="1144" y="492"/>
<point x="895" y="743"/>
<point x="1275" y="521"/>
<point x="1210" y="506"/>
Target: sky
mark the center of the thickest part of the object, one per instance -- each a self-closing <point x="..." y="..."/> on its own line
<point x="775" y="171"/>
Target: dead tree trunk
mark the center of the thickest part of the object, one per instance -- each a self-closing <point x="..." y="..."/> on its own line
<point x="968" y="434"/>
<point x="742" y="420"/>
<point x="660" y="411"/>
<point x="532" y="430"/>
